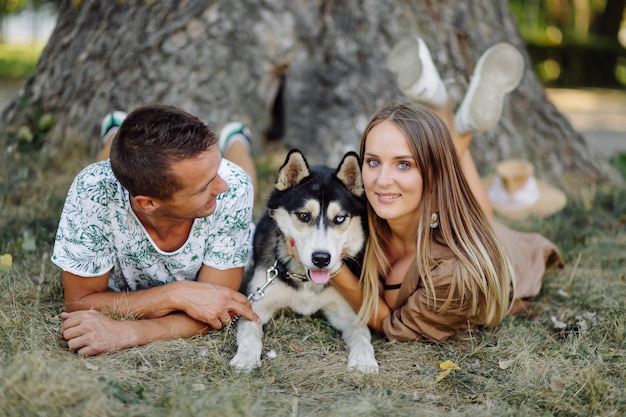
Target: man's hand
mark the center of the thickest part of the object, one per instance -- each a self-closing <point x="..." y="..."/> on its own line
<point x="89" y="333"/>
<point x="212" y="303"/>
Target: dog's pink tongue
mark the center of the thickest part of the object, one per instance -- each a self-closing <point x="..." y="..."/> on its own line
<point x="319" y="277"/>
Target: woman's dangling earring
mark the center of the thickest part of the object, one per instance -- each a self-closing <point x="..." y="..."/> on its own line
<point x="434" y="220"/>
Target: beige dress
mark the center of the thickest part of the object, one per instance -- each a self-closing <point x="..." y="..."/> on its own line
<point x="412" y="318"/>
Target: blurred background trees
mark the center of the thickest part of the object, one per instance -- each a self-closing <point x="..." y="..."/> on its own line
<point x="220" y="59"/>
<point x="562" y="36"/>
<point x="575" y="43"/>
<point x="24" y="28"/>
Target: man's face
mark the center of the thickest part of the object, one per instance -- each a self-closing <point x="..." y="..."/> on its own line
<point x="200" y="187"/>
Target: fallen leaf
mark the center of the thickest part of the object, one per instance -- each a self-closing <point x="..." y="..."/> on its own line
<point x="296" y="348"/>
<point x="448" y="366"/>
<point x="590" y="316"/>
<point x="563" y="293"/>
<point x="29" y="244"/>
<point x="556" y="383"/>
<point x="557" y="323"/>
<point x="91" y="366"/>
<point x="6" y="261"/>
<point x="203" y="352"/>
<point x="504" y="364"/>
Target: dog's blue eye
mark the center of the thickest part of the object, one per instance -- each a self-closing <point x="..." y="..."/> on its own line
<point x="340" y="219"/>
<point x="303" y="217"/>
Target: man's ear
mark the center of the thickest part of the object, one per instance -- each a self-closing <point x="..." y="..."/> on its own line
<point x="145" y="204"/>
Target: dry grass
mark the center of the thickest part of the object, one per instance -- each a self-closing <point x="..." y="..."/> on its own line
<point x="524" y="367"/>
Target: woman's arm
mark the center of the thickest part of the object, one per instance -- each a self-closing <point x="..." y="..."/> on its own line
<point x="348" y="286"/>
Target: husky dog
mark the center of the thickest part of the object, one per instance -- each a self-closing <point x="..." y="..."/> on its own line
<point x="314" y="223"/>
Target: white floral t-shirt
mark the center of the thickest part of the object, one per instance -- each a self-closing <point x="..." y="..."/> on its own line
<point x="98" y="232"/>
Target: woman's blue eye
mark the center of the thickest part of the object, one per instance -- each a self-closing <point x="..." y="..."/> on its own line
<point x="372" y="163"/>
<point x="403" y="166"/>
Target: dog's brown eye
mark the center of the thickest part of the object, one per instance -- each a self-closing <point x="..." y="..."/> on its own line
<point x="303" y="217"/>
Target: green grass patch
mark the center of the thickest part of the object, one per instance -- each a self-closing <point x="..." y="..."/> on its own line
<point x="524" y="367"/>
<point x="18" y="61"/>
<point x="619" y="162"/>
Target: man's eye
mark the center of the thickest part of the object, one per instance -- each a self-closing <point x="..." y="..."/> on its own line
<point x="303" y="217"/>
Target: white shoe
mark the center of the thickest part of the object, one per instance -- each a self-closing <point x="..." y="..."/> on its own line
<point x="111" y="123"/>
<point x="416" y="73"/>
<point x="232" y="132"/>
<point x="498" y="72"/>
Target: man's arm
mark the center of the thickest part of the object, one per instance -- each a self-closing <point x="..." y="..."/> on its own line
<point x="89" y="332"/>
<point x="230" y="278"/>
<point x="166" y="310"/>
<point x="207" y="302"/>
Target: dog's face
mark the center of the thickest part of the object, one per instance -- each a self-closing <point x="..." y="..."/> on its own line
<point x="320" y="212"/>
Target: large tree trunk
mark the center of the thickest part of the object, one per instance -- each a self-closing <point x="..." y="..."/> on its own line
<point x="221" y="60"/>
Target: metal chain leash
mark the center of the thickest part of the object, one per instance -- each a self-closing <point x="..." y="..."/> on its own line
<point x="270" y="275"/>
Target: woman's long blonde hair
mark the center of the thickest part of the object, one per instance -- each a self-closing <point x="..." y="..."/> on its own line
<point x="481" y="284"/>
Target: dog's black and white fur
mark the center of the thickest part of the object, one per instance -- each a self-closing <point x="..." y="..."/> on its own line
<point x="319" y="214"/>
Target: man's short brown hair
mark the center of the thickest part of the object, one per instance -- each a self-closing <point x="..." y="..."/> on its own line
<point x="149" y="140"/>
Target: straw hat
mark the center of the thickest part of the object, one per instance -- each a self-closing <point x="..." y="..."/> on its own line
<point x="515" y="193"/>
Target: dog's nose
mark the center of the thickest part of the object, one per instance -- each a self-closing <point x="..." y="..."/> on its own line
<point x="320" y="259"/>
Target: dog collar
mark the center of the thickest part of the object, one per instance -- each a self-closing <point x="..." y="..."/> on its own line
<point x="282" y="270"/>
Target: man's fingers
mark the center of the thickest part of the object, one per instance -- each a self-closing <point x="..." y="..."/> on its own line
<point x="69" y="321"/>
<point x="73" y="319"/>
<point x="240" y="306"/>
<point x="225" y="318"/>
<point x="86" y="351"/>
<point x="245" y="310"/>
<point x="82" y="344"/>
<point x="240" y="298"/>
<point x="70" y="333"/>
<point x="216" y="323"/>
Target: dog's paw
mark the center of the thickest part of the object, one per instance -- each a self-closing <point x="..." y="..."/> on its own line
<point x="363" y="362"/>
<point x="245" y="362"/>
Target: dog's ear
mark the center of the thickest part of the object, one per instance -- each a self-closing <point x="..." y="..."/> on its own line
<point x="349" y="172"/>
<point x="294" y="170"/>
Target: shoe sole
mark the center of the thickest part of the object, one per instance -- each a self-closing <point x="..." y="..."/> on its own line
<point x="416" y="73"/>
<point x="498" y="72"/>
<point x="404" y="60"/>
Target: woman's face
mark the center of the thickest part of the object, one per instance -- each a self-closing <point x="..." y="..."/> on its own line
<point x="393" y="183"/>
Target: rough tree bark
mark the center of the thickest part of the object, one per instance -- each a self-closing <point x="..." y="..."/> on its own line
<point x="220" y="60"/>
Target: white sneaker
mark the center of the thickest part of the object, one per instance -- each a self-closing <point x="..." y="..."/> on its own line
<point x="498" y="72"/>
<point x="110" y="123"/>
<point x="416" y="73"/>
<point x="232" y="132"/>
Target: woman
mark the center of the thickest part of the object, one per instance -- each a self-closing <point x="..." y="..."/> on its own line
<point x="436" y="261"/>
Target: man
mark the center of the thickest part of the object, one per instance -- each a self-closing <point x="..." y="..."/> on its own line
<point x="159" y="233"/>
